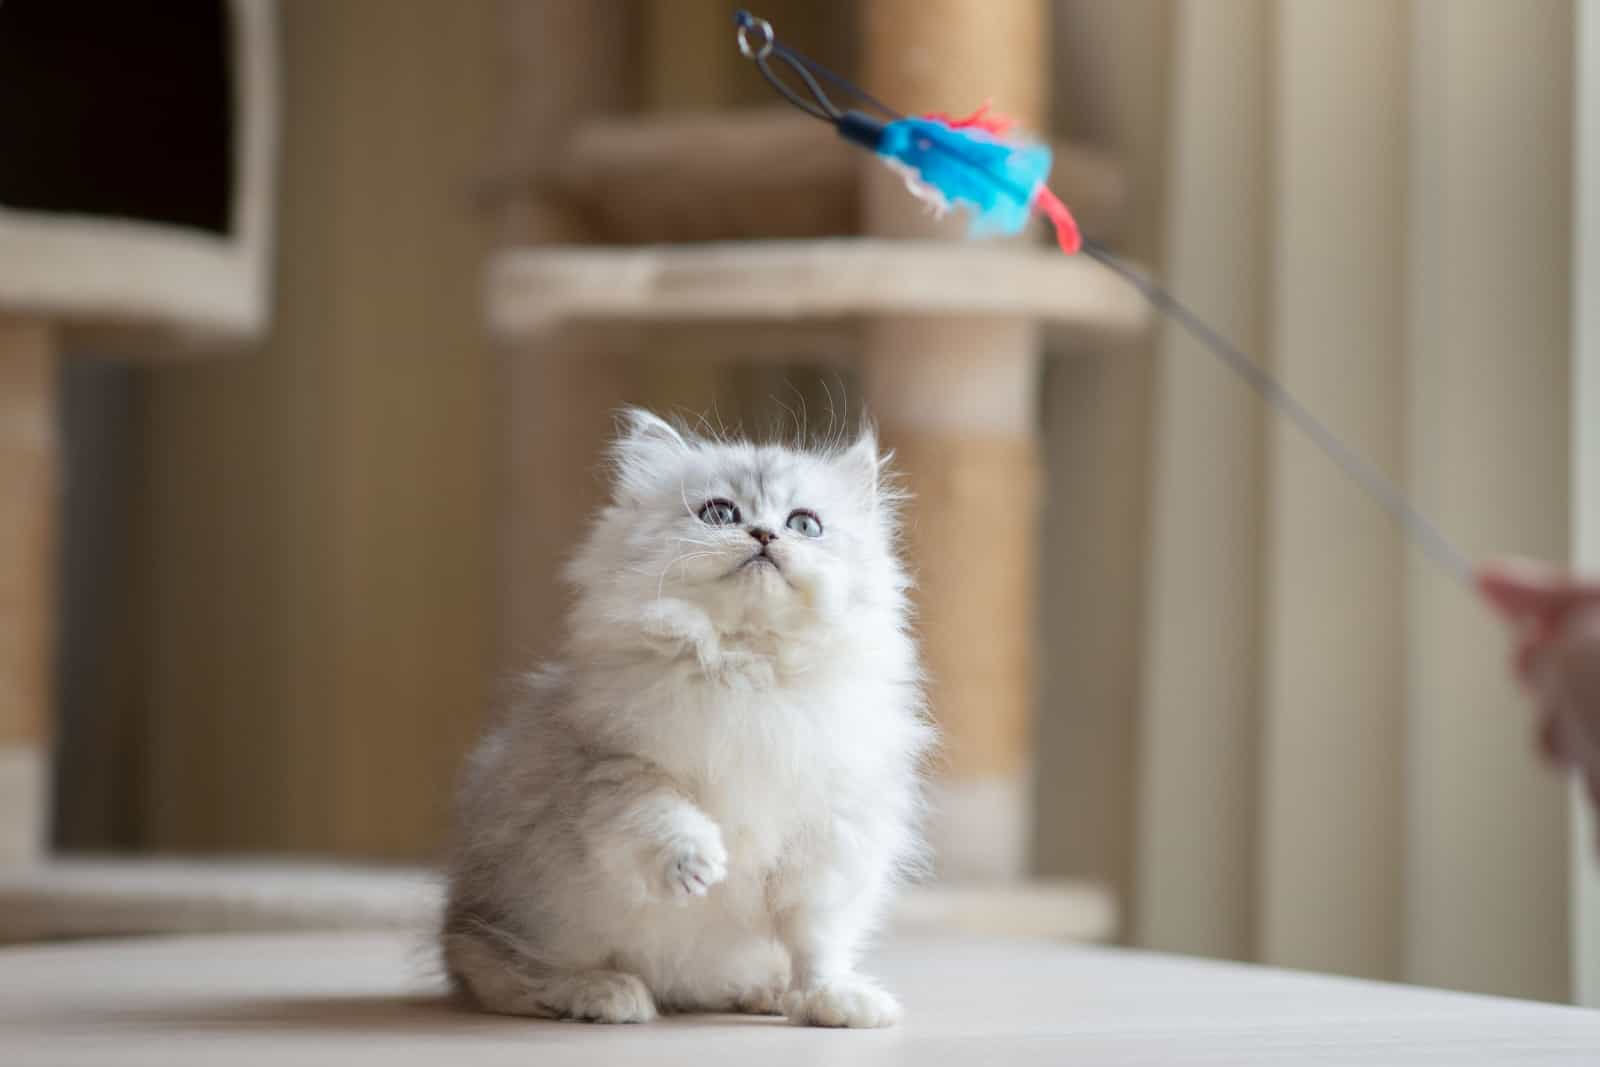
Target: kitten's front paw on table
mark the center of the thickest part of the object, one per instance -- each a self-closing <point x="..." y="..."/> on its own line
<point x="694" y="865"/>
<point x="763" y="1000"/>
<point x="607" y="997"/>
<point x="851" y="1003"/>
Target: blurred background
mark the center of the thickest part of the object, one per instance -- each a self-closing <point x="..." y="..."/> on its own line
<point x="290" y="476"/>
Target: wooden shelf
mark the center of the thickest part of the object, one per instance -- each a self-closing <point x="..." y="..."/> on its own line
<point x="772" y="173"/>
<point x="65" y="898"/>
<point x="534" y="290"/>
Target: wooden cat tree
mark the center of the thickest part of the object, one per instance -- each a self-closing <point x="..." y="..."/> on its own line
<point x="946" y="337"/>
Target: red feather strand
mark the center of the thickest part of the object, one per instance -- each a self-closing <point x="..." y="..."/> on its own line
<point x="1050" y="206"/>
<point x="981" y="119"/>
<point x="1045" y="202"/>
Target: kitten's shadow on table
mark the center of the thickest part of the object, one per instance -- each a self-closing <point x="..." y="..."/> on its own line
<point x="381" y="1013"/>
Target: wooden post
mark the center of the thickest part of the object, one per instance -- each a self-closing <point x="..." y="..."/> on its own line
<point x="27" y="582"/>
<point x="559" y="63"/>
<point x="956" y="400"/>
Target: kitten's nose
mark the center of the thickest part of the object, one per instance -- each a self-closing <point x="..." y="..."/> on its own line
<point x="762" y="534"/>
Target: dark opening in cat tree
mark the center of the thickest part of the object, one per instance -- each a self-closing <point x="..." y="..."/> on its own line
<point x="118" y="111"/>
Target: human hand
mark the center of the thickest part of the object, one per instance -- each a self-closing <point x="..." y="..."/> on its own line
<point x="1557" y="656"/>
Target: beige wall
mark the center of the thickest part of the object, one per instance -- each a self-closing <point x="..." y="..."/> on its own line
<point x="1353" y="790"/>
<point x="1111" y="89"/>
<point x="1198" y="707"/>
<point x="316" y="569"/>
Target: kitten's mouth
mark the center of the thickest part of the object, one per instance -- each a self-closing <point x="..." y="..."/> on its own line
<point x="756" y="565"/>
<point x="761" y="559"/>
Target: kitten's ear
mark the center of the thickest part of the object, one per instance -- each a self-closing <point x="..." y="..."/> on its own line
<point x="646" y="444"/>
<point x="863" y="463"/>
<point x="638" y="427"/>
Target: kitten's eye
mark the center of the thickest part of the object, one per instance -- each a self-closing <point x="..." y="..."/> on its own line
<point x="805" y="522"/>
<point x="719" y="512"/>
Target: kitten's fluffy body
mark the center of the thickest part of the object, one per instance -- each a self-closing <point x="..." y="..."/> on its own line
<point x="706" y="806"/>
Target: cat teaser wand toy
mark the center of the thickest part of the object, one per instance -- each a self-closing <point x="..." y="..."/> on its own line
<point x="979" y="164"/>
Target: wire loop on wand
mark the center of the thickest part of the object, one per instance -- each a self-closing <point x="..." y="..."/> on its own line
<point x="759" y="42"/>
<point x="747" y="22"/>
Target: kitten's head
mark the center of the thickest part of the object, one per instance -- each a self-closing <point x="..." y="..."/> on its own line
<point x="761" y="537"/>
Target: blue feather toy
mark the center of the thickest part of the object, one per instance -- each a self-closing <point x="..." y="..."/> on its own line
<point x="968" y="163"/>
<point x="946" y="166"/>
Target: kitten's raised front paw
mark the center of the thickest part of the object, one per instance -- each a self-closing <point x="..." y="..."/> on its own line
<point x="672" y="628"/>
<point x="695" y="863"/>
<point x="851" y="1002"/>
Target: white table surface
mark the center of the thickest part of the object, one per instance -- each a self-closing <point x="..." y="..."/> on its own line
<point x="356" y="999"/>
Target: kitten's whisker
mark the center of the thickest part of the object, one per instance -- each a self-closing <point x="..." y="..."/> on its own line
<point x="673" y="562"/>
<point x="684" y="558"/>
<point x="661" y="579"/>
<point x="709" y="546"/>
<point x="805" y="419"/>
<point x="704" y="425"/>
<point x="833" y="437"/>
<point x="688" y="508"/>
<point x="777" y="420"/>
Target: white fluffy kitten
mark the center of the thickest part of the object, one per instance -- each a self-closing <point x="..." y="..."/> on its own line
<point x="707" y="805"/>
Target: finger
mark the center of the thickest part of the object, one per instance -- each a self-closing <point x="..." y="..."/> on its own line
<point x="1592" y="787"/>
<point x="1521" y="589"/>
<point x="1573" y="668"/>
<point x="1527" y="653"/>
<point x="1547" y="739"/>
<point x="1533" y="644"/>
<point x="1518" y="588"/>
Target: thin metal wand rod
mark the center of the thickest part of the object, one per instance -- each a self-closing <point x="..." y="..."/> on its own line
<point x="1423" y="533"/>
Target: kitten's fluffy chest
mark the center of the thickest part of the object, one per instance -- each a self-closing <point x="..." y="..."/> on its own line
<point x="773" y="762"/>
